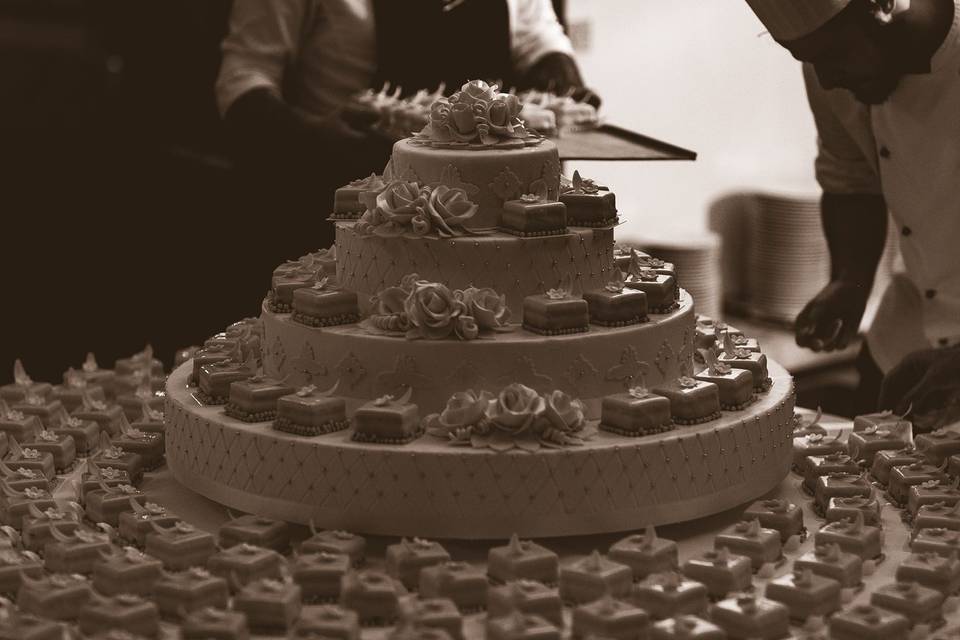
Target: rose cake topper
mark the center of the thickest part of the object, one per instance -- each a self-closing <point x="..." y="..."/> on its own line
<point x="403" y="208"/>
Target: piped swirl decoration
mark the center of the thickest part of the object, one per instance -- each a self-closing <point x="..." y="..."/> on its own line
<point x="517" y="418"/>
<point x="419" y="309"/>
<point x="404" y="208"/>
<point x="478" y="116"/>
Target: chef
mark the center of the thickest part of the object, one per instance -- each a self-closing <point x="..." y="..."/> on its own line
<point x="883" y="81"/>
<point x="290" y="66"/>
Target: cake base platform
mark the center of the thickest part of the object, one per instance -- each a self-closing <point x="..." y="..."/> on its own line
<point x="427" y="488"/>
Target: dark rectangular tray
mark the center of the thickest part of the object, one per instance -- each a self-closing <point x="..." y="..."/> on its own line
<point x="610" y="142"/>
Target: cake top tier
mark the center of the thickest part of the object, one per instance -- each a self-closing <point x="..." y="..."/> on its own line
<point x="477" y="117"/>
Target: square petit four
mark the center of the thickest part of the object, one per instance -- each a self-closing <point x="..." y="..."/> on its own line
<point x="735" y="386"/>
<point x="31" y="458"/>
<point x="460" y="582"/>
<point x="311" y="413"/>
<point x="127" y="571"/>
<point x="215" y="379"/>
<point x="645" y="553"/>
<point x="831" y="561"/>
<point x="107" y="416"/>
<point x="749" y="616"/>
<point x="643" y="260"/>
<point x="864" y="445"/>
<point x="691" y="401"/>
<point x="435" y="613"/>
<point x="19" y="478"/>
<point x="556" y="312"/>
<point x="635" y="413"/>
<point x="615" y="305"/>
<point x="885" y="462"/>
<point x="533" y="216"/>
<point x="17" y="504"/>
<point x="755" y="363"/>
<point x="817" y="466"/>
<point x="661" y="289"/>
<point x="815" y="444"/>
<point x="347" y="201"/>
<point x="19" y="426"/>
<point x="686" y="628"/>
<point x="405" y="559"/>
<point x="211" y="355"/>
<point x="48" y="410"/>
<point x="244" y="563"/>
<point x="919" y="604"/>
<point x="181" y="546"/>
<point x="336" y="541"/>
<point x="523" y="560"/>
<point x="589" y="205"/>
<point x="23" y="386"/>
<point x="85" y="433"/>
<point x="590" y="578"/>
<point x="938" y="445"/>
<point x="60" y="445"/>
<point x="931" y="570"/>
<point x="271" y="606"/>
<point x="75" y="552"/>
<point x="374" y="596"/>
<point x="209" y="622"/>
<point x="142" y="361"/>
<point x="387" y="420"/>
<point x="843" y="508"/>
<point x="180" y="593"/>
<point x="664" y="595"/>
<point x="280" y="296"/>
<point x="937" y="515"/>
<point x="853" y="536"/>
<point x="839" y="485"/>
<point x="866" y="621"/>
<point x="36" y="527"/>
<point x="255" y="530"/>
<point x="134" y="525"/>
<point x="54" y="596"/>
<point x="137" y="387"/>
<point x="720" y="571"/>
<point x="519" y="626"/>
<point x="92" y="478"/>
<point x="132" y="404"/>
<point x="870" y="420"/>
<point x="255" y="399"/>
<point x="932" y="492"/>
<point x="319" y="575"/>
<point x="92" y="373"/>
<point x="778" y="514"/>
<point x="124" y="612"/>
<point x="325" y="305"/>
<point x="116" y="457"/>
<point x="13" y="564"/>
<point x="149" y="446"/>
<point x="527" y="596"/>
<point x="805" y="593"/>
<point x="609" y="618"/>
<point x="941" y="541"/>
<point x="748" y="538"/>
<point x="902" y="478"/>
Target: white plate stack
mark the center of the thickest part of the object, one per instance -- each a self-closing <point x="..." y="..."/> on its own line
<point x="787" y="257"/>
<point x="697" y="260"/>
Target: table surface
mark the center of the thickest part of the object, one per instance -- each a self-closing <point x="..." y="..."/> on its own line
<point x="693" y="537"/>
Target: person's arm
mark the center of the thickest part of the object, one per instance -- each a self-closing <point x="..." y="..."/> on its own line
<point x="854" y="216"/>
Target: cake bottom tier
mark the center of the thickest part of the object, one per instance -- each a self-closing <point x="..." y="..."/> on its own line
<point x="427" y="488"/>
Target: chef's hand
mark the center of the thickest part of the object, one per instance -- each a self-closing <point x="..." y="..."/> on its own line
<point x="927" y="382"/>
<point x="558" y="72"/>
<point x="832" y="319"/>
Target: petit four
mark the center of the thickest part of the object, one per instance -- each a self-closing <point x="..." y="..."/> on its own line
<point x="885" y="461"/>
<point x="23" y="385"/>
<point x="19" y="478"/>
<point x="932" y="492"/>
<point x="864" y="445"/>
<point x="938" y="445"/>
<point x="256" y="530"/>
<point x="752" y="361"/>
<point x="853" y="536"/>
<point x="735" y="386"/>
<point x="280" y="296"/>
<point x="271" y="606"/>
<point x="664" y="595"/>
<point x="91" y="372"/>
<point x="519" y="626"/>
<point x="126" y="571"/>
<point x="816" y="466"/>
<point x="615" y="305"/>
<point x="347" y="201"/>
<point x="13" y="564"/>
<point x="54" y="596"/>
<point x="60" y="445"/>
<point x="778" y="514"/>
<point x="522" y="560"/>
<point x="902" y="478"/>
<point x="319" y="575"/>
<point x="590" y="578"/>
<point x="16" y="504"/>
<point x="931" y="570"/>
<point x="75" y="552"/>
<point x="94" y="475"/>
<point x="335" y="541"/>
<point x="244" y="563"/>
<point x="373" y="595"/>
<point x="588" y="205"/>
<point x="178" y="594"/>
<point x="107" y="503"/>
<point x="309" y="412"/>
<point x="533" y="215"/>
<point x="645" y="553"/>
<point x="31" y="458"/>
<point x="107" y="416"/>
<point x="209" y="622"/>
<point x="387" y="420"/>
<point x="609" y="618"/>
<point x="814" y="444"/>
<point x="405" y="559"/>
<point x="937" y="515"/>
<point x="85" y="433"/>
<point x="748" y="538"/>
<point x="720" y="571"/>
<point x="527" y="596"/>
<point x="180" y="546"/>
<point x="325" y="305"/>
<point x="842" y="508"/>
<point x="692" y="401"/>
<point x="35" y="528"/>
<point x="686" y="628"/>
<point x="919" y="604"/>
<point x="749" y="616"/>
<point x="211" y="355"/>
<point x="865" y="621"/>
<point x="125" y="612"/>
<point x="805" y="593"/>
<point x="460" y="582"/>
<point x="17" y="425"/>
<point x="435" y="613"/>
<point x="142" y="361"/>
<point x="941" y="541"/>
<point x="134" y="525"/>
<point x="255" y="399"/>
<point x="15" y="625"/>
<point x="214" y="380"/>
<point x="557" y="312"/>
<point x="840" y="485"/>
<point x="661" y="289"/>
<point x="149" y="446"/>
<point x="47" y="409"/>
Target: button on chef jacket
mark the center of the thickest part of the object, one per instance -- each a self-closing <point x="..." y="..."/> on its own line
<point x="908" y="150"/>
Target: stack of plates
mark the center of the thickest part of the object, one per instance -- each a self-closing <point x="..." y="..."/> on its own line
<point x="787" y="257"/>
<point x="697" y="260"/>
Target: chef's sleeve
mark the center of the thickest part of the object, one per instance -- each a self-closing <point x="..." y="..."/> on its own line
<point x="264" y="37"/>
<point x="535" y="32"/>
<point x="843" y="166"/>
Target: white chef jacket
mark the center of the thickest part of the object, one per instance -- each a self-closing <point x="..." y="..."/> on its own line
<point x="908" y="150"/>
<point x="334" y="44"/>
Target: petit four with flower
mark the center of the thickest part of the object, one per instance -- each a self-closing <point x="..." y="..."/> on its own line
<point x="557" y="312"/>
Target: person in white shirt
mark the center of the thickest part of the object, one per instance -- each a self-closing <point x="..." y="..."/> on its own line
<point x="883" y="81"/>
<point x="290" y="66"/>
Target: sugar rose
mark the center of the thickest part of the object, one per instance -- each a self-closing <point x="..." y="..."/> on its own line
<point x="563" y="412"/>
<point x="449" y="208"/>
<point x="476" y="91"/>
<point x="515" y="409"/>
<point x="400" y="201"/>
<point x="432" y="311"/>
<point x="463" y="119"/>
<point x="487" y="307"/>
<point x="464" y="409"/>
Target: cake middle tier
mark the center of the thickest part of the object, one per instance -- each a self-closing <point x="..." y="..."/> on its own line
<point x="512" y="266"/>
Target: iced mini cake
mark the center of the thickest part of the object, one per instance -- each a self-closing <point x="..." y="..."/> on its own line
<point x="522" y="560"/>
<point x="645" y="553"/>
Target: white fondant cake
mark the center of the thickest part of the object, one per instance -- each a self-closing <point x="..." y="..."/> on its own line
<point x="480" y="375"/>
